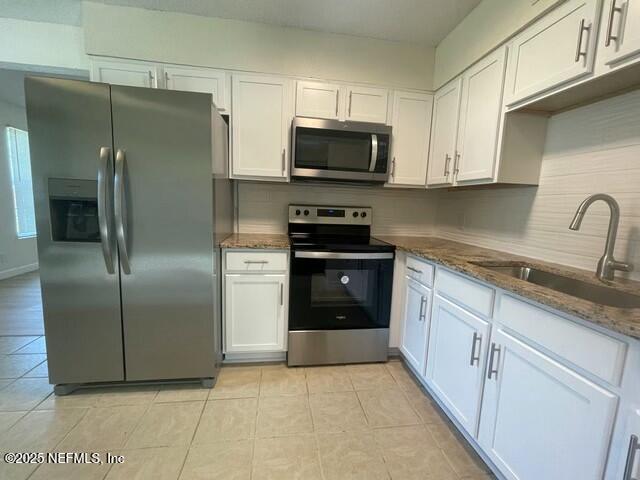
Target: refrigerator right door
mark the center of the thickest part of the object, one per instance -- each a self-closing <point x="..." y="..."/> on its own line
<point x="164" y="225"/>
<point x="70" y="138"/>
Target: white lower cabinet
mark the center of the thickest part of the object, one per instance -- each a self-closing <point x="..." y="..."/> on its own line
<point x="416" y="324"/>
<point x="255" y="318"/>
<point x="456" y="360"/>
<point x="541" y="420"/>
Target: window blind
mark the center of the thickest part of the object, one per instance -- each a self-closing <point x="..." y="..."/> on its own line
<point x="18" y="147"/>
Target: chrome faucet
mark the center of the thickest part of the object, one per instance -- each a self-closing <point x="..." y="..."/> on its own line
<point x="607" y="265"/>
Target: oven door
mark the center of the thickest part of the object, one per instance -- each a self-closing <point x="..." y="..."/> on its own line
<point x="340" y="290"/>
<point x="328" y="149"/>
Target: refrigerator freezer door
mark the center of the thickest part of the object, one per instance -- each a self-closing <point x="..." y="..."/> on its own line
<point x="167" y="296"/>
<point x="72" y="168"/>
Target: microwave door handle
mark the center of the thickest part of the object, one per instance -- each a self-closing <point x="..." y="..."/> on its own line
<point x="374" y="152"/>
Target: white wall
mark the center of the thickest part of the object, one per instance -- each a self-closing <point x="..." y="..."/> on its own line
<point x="16" y="255"/>
<point x="50" y="45"/>
<point x="487" y="26"/>
<point x="592" y="149"/>
<point x="263" y="207"/>
<point x="237" y="45"/>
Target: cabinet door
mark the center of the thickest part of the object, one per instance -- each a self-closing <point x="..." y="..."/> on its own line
<point x="480" y="113"/>
<point x="366" y="104"/>
<point x="254" y="313"/>
<point x="446" y="111"/>
<point x="455" y="364"/>
<point x="125" y="73"/>
<point x="416" y="319"/>
<point x="540" y="419"/>
<point x="317" y="100"/>
<point x="261" y="120"/>
<point x="621" y="42"/>
<point x="411" y="132"/>
<point x="558" y="48"/>
<point x="202" y="80"/>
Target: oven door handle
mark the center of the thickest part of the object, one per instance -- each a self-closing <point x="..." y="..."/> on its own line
<point x="344" y="255"/>
<point x="374" y="152"/>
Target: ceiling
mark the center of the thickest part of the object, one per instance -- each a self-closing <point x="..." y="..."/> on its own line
<point x="424" y="22"/>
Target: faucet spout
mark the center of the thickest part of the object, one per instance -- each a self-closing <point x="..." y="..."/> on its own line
<point x="607" y="265"/>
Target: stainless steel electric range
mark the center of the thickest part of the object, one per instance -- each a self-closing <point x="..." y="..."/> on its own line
<point x="340" y="287"/>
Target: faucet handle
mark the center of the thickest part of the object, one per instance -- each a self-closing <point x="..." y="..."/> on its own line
<point x="623" y="267"/>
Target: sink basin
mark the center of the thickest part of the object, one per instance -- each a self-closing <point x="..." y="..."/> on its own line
<point x="576" y="288"/>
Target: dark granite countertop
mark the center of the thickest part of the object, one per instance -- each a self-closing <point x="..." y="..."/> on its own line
<point x="257" y="240"/>
<point x="459" y="256"/>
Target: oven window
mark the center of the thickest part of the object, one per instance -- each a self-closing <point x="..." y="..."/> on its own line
<point x="340" y="288"/>
<point x="332" y="150"/>
<point x="339" y="293"/>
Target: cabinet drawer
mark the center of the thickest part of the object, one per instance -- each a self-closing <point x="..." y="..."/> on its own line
<point x="597" y="353"/>
<point x="257" y="260"/>
<point x="419" y="271"/>
<point x="465" y="292"/>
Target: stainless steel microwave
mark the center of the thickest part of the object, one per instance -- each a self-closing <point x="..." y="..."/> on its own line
<point x="343" y="151"/>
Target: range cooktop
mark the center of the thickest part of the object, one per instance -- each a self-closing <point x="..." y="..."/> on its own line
<point x="338" y="229"/>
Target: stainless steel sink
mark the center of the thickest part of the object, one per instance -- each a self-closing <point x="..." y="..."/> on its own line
<point x="576" y="288"/>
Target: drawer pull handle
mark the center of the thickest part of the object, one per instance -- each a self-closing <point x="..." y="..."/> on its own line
<point x="492" y="371"/>
<point x="415" y="270"/>
<point x="631" y="457"/>
<point x="477" y="339"/>
<point x="260" y="262"/>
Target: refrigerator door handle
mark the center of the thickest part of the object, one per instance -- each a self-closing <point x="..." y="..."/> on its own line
<point x="104" y="217"/>
<point x="119" y="206"/>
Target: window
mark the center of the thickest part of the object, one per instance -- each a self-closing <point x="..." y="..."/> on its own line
<point x="18" y="147"/>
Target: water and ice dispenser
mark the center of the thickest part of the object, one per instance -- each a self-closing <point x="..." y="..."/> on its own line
<point x="73" y="206"/>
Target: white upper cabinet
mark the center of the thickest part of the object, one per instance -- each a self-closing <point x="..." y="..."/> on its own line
<point x="341" y="102"/>
<point x="621" y="42"/>
<point x="317" y="100"/>
<point x="446" y="111"/>
<point x="366" y="104"/>
<point x="480" y="116"/>
<point x="204" y="80"/>
<point x="262" y="113"/>
<point x="411" y="124"/>
<point x="540" y="419"/>
<point x="456" y="360"/>
<point x="558" y="48"/>
<point x="132" y="74"/>
<point x="416" y="324"/>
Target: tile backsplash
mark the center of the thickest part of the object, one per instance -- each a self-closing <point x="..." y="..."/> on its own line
<point x="595" y="148"/>
<point x="262" y="207"/>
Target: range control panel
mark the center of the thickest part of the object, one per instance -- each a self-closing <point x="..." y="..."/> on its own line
<point x="330" y="215"/>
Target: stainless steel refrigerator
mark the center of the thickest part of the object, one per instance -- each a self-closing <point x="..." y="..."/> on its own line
<point x="131" y="199"/>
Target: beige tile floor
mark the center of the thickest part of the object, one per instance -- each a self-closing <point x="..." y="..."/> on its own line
<point x="259" y="422"/>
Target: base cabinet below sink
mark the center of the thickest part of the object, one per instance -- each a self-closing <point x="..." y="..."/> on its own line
<point x="456" y="360"/>
<point x="538" y="393"/>
<point x="540" y="420"/>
